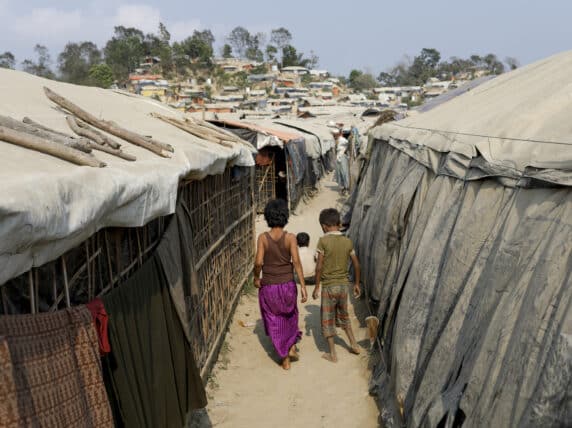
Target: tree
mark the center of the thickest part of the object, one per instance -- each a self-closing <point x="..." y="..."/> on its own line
<point x="359" y="81"/>
<point x="41" y="67"/>
<point x="125" y="51"/>
<point x="159" y="46"/>
<point x="240" y="39"/>
<point x="512" y="62"/>
<point x="253" y="51"/>
<point x="271" y="52"/>
<point x="493" y="64"/>
<point x="101" y="75"/>
<point x="313" y="60"/>
<point x="291" y="57"/>
<point x="424" y="66"/>
<point x="196" y="47"/>
<point x="227" y="51"/>
<point x="387" y="79"/>
<point x="280" y="37"/>
<point x="76" y="60"/>
<point x="7" y="60"/>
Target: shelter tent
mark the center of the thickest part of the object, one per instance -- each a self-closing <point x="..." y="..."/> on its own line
<point x="173" y="233"/>
<point x="281" y="161"/>
<point x="463" y="222"/>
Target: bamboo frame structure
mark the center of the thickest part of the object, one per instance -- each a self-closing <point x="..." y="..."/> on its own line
<point x="222" y="214"/>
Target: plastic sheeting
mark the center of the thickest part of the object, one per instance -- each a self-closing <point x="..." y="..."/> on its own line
<point x="48" y="206"/>
<point x="472" y="283"/>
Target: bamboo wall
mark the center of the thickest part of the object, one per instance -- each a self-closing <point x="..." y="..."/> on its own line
<point x="222" y="222"/>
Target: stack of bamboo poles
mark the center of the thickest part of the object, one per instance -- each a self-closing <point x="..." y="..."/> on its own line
<point x="205" y="130"/>
<point x="88" y="136"/>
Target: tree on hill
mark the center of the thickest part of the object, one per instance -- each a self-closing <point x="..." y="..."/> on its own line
<point x="227" y="51"/>
<point x="76" y="60"/>
<point x="7" y="60"/>
<point x="359" y="81"/>
<point x="101" y="75"/>
<point x="239" y="39"/>
<point x="197" y="47"/>
<point x="40" y="67"/>
<point x="125" y="51"/>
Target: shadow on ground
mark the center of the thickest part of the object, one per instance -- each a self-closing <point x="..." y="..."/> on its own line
<point x="199" y="419"/>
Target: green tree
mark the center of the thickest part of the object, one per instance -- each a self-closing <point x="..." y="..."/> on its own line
<point x="125" y="51"/>
<point x="512" y="62"/>
<point x="159" y="46"/>
<point x="7" y="60"/>
<point x="253" y="51"/>
<point x="271" y="52"/>
<point x="41" y="67"/>
<point x="75" y="61"/>
<point x="199" y="46"/>
<point x="493" y="64"/>
<point x="240" y="40"/>
<point x="359" y="81"/>
<point x="291" y="57"/>
<point x="101" y="75"/>
<point x="280" y="37"/>
<point x="424" y="66"/>
<point x="227" y="51"/>
<point x="240" y="79"/>
<point x="387" y="79"/>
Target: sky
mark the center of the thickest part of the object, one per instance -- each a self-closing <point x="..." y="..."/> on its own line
<point x="368" y="35"/>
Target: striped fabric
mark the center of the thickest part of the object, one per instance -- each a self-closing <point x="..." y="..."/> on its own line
<point x="334" y="309"/>
<point x="279" y="311"/>
<point x="50" y="373"/>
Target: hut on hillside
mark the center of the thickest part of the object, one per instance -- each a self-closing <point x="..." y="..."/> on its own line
<point x="162" y="232"/>
<point x="463" y="224"/>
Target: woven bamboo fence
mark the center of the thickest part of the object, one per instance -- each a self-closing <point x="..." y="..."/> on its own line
<point x="222" y="223"/>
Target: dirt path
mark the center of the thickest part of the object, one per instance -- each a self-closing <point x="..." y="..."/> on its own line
<point x="249" y="390"/>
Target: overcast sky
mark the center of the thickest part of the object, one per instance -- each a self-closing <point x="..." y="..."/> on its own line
<point x="370" y="35"/>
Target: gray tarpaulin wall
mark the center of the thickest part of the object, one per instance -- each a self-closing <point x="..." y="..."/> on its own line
<point x="467" y="257"/>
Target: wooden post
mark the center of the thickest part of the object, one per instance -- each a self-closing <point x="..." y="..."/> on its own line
<point x="48" y="147"/>
<point x="110" y="127"/>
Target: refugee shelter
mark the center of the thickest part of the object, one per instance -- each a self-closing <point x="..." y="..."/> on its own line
<point x="281" y="161"/>
<point x="463" y="223"/>
<point x="152" y="238"/>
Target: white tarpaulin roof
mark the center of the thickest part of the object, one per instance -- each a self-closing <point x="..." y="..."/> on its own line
<point x="520" y="119"/>
<point x="48" y="206"/>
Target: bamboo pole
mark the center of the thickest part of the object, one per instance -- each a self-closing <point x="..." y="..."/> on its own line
<point x="48" y="147"/>
<point x="45" y="134"/>
<point x="29" y="121"/>
<point x="108" y="126"/>
<point x="99" y="137"/>
<point x="74" y="126"/>
<point x="193" y="130"/>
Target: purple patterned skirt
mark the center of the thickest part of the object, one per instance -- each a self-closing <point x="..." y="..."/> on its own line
<point x="279" y="310"/>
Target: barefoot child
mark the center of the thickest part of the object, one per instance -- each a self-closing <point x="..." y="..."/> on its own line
<point x="307" y="257"/>
<point x="334" y="252"/>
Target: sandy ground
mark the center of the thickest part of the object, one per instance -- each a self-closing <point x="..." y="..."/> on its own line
<point x="248" y="389"/>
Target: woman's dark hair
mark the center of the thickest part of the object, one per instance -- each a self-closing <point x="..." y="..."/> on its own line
<point x="303" y="239"/>
<point x="330" y="217"/>
<point x="276" y="213"/>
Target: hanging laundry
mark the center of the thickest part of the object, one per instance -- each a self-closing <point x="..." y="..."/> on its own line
<point x="50" y="372"/>
<point x="100" y="319"/>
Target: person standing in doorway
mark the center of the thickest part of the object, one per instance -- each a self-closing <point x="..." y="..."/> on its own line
<point x="276" y="258"/>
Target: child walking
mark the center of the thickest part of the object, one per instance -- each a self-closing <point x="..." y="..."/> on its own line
<point x="307" y="257"/>
<point x="334" y="252"/>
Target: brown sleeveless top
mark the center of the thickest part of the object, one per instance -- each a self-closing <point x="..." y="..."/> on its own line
<point x="277" y="267"/>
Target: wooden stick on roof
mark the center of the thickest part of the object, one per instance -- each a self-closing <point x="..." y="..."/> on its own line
<point x="96" y="136"/>
<point x="194" y="130"/>
<point x="107" y="126"/>
<point x="45" y="134"/>
<point x="48" y="147"/>
<point x="72" y="123"/>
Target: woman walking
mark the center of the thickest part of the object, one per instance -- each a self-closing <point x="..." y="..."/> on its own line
<point x="277" y="257"/>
